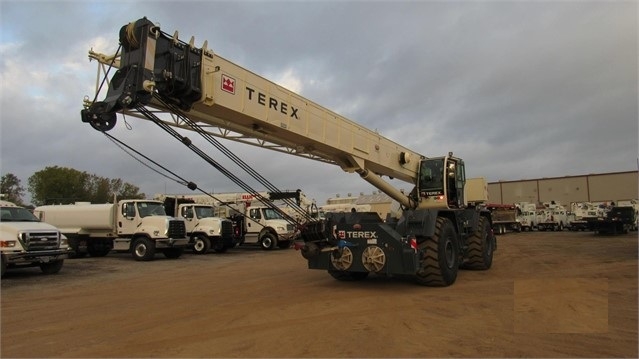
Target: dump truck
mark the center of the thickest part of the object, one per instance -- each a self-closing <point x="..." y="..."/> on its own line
<point x="440" y="229"/>
<point x="205" y="230"/>
<point x="504" y="217"/>
<point x="25" y="241"/>
<point x="140" y="227"/>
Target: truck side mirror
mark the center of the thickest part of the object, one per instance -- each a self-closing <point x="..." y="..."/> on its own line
<point x="187" y="213"/>
<point x="128" y="211"/>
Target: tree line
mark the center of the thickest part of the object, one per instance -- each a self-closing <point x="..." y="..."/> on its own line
<point x="63" y="185"/>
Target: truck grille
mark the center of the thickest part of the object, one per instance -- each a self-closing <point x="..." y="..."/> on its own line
<point x="40" y="241"/>
<point x="227" y="229"/>
<point x="290" y="227"/>
<point x="177" y="229"/>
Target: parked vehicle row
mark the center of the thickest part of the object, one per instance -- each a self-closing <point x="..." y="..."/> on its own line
<point x="553" y="216"/>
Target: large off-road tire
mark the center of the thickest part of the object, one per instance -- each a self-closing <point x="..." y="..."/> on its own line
<point x="440" y="259"/>
<point x="201" y="244"/>
<point x="480" y="247"/>
<point x="143" y="249"/>
<point x="52" y="267"/>
<point x="173" y="253"/>
<point x="268" y="241"/>
<point x="347" y="276"/>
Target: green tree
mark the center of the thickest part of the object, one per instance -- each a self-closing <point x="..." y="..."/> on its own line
<point x="129" y="191"/>
<point x="66" y="185"/>
<point x="11" y="188"/>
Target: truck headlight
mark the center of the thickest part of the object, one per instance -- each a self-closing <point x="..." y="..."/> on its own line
<point x="281" y="229"/>
<point x="7" y="244"/>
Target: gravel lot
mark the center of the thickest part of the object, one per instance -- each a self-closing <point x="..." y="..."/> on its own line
<point x="568" y="294"/>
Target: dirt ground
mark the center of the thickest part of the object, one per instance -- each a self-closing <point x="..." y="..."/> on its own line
<point x="569" y="294"/>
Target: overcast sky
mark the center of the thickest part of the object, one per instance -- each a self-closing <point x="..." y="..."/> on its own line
<point x="518" y="89"/>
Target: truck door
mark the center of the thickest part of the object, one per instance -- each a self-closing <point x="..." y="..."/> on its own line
<point x="253" y="225"/>
<point x="126" y="219"/>
<point x="455" y="178"/>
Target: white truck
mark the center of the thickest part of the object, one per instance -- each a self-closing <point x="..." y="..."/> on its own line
<point x="25" y="241"/>
<point x="527" y="215"/>
<point x="205" y="230"/>
<point x="253" y="221"/>
<point x="585" y="216"/>
<point x="553" y="217"/>
<point x="140" y="227"/>
<point x="259" y="224"/>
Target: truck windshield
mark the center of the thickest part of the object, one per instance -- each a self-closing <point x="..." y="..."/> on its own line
<point x="17" y="214"/>
<point x="150" y="209"/>
<point x="431" y="176"/>
<point x="204" y="212"/>
<point x="270" y="213"/>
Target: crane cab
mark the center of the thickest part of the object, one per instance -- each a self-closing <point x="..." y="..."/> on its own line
<point x="441" y="182"/>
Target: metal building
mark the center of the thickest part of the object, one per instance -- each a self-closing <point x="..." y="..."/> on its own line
<point x="602" y="187"/>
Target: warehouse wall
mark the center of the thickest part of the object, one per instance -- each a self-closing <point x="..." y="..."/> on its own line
<point x="587" y="188"/>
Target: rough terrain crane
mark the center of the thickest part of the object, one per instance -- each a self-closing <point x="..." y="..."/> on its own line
<point x="439" y="230"/>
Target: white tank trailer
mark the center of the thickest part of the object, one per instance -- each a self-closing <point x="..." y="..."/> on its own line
<point x="140" y="227"/>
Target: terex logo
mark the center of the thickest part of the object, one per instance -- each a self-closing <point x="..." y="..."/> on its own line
<point x="228" y="84"/>
<point x="273" y="103"/>
<point x="361" y="234"/>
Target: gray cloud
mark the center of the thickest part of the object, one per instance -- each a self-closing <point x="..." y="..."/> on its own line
<point x="518" y="89"/>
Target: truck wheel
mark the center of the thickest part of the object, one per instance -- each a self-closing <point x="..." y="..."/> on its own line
<point x="98" y="250"/>
<point x="347" y="276"/>
<point x="52" y="267"/>
<point x="201" y="244"/>
<point x="268" y="241"/>
<point x="172" y="253"/>
<point x="440" y="256"/>
<point x="143" y="249"/>
<point x="480" y="247"/>
<point x="220" y="247"/>
<point x="3" y="265"/>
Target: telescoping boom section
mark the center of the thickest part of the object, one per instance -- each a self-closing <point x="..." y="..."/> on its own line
<point x="440" y="229"/>
<point x="214" y="91"/>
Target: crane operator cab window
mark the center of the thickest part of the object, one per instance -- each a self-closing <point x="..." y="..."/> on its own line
<point x="431" y="177"/>
<point x="442" y="176"/>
